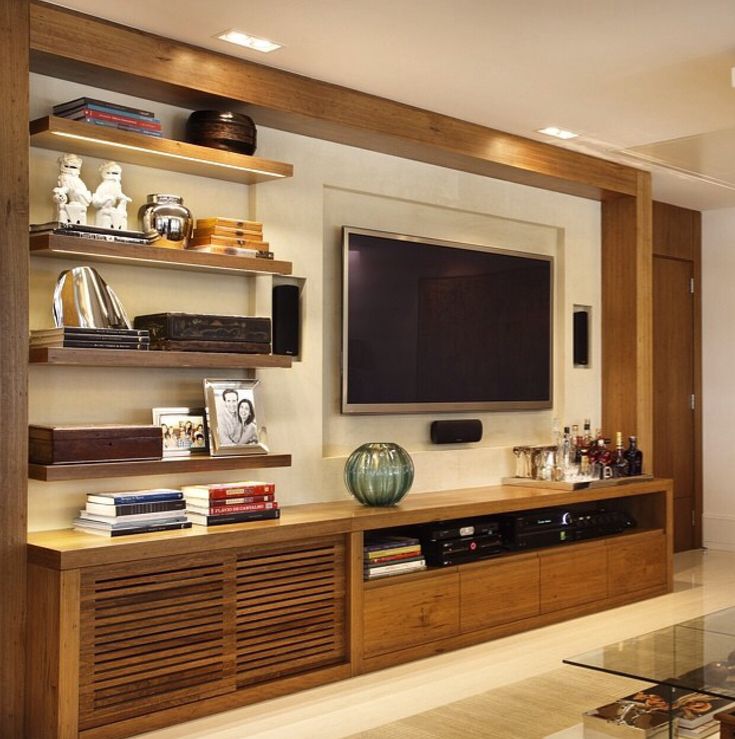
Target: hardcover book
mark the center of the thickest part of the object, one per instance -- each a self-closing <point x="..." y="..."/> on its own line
<point x="225" y="518"/>
<point x="139" y="496"/>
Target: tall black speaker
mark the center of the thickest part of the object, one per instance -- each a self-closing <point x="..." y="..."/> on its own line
<point x="581" y="338"/>
<point x="286" y="319"/>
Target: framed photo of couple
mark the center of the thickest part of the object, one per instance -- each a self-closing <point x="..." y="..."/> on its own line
<point x="235" y="419"/>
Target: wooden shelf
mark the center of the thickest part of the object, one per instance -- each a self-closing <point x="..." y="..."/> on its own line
<point x="94" y="250"/>
<point x="61" y="134"/>
<point x="150" y="358"/>
<point x="96" y="470"/>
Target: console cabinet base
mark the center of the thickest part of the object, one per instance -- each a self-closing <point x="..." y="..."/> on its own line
<point x="131" y="636"/>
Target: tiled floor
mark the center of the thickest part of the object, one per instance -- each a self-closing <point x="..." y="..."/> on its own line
<point x="704" y="582"/>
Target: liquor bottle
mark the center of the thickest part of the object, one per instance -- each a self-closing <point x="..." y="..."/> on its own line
<point x="587" y="434"/>
<point x="620" y="462"/>
<point x="574" y="444"/>
<point x="603" y="459"/>
<point x="634" y="456"/>
<point x="564" y="450"/>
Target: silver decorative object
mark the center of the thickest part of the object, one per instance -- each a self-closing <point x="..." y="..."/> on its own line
<point x="82" y="298"/>
<point x="170" y="217"/>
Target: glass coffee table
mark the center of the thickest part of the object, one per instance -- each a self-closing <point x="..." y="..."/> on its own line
<point x="696" y="656"/>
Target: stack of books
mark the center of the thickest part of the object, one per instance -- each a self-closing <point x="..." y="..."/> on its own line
<point x="139" y="512"/>
<point x="392" y="555"/>
<point x="231" y="502"/>
<point x="112" y="115"/>
<point x="230" y="236"/>
<point x="90" y="338"/>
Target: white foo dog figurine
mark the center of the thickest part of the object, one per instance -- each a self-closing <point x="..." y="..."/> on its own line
<point x="71" y="194"/>
<point x="109" y="199"/>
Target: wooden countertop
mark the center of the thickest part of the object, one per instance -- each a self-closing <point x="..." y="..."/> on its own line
<point x="69" y="549"/>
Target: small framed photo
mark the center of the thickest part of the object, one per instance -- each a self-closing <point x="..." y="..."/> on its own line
<point x="184" y="431"/>
<point x="235" y="417"/>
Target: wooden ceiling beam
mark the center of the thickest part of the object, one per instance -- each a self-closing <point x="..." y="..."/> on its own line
<point x="91" y="51"/>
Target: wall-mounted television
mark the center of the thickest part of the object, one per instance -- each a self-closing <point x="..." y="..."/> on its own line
<point x="430" y="325"/>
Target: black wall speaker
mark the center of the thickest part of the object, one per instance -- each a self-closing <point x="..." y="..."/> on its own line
<point x="581" y="351"/>
<point x="455" y="432"/>
<point x="286" y="319"/>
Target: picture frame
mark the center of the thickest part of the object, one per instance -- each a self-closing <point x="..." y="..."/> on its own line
<point x="185" y="431"/>
<point x="235" y="417"/>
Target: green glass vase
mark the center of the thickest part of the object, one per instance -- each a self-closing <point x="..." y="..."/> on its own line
<point x="379" y="473"/>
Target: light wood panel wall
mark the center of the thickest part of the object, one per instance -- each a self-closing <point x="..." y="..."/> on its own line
<point x="627" y="315"/>
<point x="13" y="356"/>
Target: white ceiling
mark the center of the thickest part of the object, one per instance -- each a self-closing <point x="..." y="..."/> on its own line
<point x="630" y="76"/>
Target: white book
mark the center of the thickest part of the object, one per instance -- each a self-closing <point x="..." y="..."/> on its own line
<point x="395" y="569"/>
<point x="130" y="520"/>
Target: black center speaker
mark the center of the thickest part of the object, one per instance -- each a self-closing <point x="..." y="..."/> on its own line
<point x="286" y="319"/>
<point x="456" y="432"/>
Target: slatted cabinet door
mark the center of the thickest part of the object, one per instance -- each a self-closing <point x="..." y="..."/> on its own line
<point x="154" y="635"/>
<point x="290" y="609"/>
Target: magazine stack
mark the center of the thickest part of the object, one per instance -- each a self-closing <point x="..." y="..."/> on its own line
<point x="111" y="115"/>
<point x="139" y="512"/>
<point x="231" y="502"/>
<point x="392" y="555"/>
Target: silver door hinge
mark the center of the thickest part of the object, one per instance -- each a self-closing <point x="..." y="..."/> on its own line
<point x="691" y="401"/>
<point x="691" y="285"/>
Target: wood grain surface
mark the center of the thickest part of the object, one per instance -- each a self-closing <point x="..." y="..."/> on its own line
<point x="14" y="28"/>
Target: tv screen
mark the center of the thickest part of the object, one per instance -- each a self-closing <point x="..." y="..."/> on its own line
<point x="432" y="325"/>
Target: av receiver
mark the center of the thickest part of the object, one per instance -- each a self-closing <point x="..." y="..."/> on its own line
<point x="455" y="542"/>
<point x="549" y="526"/>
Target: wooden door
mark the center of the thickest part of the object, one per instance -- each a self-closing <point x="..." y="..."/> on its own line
<point x="674" y="390"/>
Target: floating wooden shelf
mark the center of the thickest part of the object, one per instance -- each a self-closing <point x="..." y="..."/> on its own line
<point x="151" y="358"/>
<point x="71" y="247"/>
<point x="88" y="471"/>
<point x="61" y="134"/>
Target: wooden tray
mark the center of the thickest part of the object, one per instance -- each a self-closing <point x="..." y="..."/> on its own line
<point x="527" y="482"/>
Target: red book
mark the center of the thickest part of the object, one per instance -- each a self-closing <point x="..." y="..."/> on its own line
<point x="87" y="113"/>
<point x="237" y="508"/>
<point x="229" y="490"/>
<point x="230" y="500"/>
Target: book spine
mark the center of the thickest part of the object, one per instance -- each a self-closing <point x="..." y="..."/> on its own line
<point x="152" y="124"/>
<point x="205" y="501"/>
<point x="228" y="492"/>
<point x="413" y="549"/>
<point x="150" y="529"/>
<point x="236" y="508"/>
<point x="407" y="557"/>
<point x="101" y="105"/>
<point x="238" y="517"/>
<point x="387" y="545"/>
<point x="136" y="509"/>
<point x="155" y="498"/>
<point x="120" y="126"/>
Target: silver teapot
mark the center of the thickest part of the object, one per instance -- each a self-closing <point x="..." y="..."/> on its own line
<point x="167" y="215"/>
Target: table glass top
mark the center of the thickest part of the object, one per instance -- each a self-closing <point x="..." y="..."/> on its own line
<point x="697" y="655"/>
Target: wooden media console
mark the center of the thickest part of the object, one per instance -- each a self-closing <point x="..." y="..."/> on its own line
<point x="152" y="630"/>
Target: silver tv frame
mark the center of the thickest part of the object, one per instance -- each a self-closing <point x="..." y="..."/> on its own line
<point x="395" y="408"/>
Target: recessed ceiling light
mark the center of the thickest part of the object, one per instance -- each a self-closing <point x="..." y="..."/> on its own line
<point x="559" y="133"/>
<point x="251" y="42"/>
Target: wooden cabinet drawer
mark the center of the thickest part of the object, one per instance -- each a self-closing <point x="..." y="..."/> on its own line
<point x="498" y="591"/>
<point x="404" y="614"/>
<point x="574" y="576"/>
<point x="637" y="562"/>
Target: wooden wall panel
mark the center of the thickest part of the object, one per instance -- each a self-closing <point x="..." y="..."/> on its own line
<point x="14" y="26"/>
<point x="627" y="316"/>
<point x="674" y="231"/>
<point x="89" y="50"/>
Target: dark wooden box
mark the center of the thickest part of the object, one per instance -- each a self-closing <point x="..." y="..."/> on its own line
<point x="74" y="444"/>
<point x="203" y="327"/>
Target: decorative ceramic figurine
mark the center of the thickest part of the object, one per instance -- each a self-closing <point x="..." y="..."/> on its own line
<point x="109" y="199"/>
<point x="71" y="194"/>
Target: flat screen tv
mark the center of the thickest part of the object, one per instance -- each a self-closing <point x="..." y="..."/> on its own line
<point x="432" y="325"/>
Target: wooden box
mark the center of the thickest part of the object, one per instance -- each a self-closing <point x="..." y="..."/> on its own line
<point x="196" y="327"/>
<point x="74" y="444"/>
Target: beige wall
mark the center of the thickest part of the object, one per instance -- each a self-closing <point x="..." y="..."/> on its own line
<point x="718" y="358"/>
<point x="332" y="186"/>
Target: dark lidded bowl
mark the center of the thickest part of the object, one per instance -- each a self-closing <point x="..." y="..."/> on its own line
<point x="229" y="131"/>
